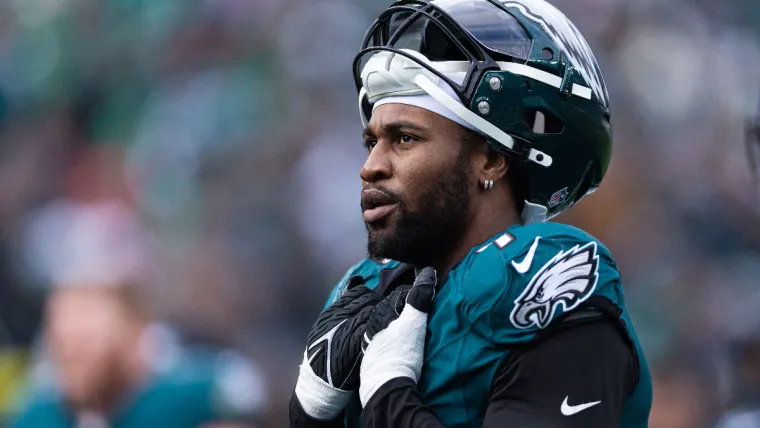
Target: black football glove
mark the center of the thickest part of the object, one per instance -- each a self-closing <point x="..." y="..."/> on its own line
<point x="330" y="369"/>
<point x="394" y="342"/>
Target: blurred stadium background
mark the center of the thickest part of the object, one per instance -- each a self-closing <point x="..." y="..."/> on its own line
<point x="203" y="155"/>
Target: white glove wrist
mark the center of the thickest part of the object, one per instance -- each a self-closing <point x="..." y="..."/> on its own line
<point x="397" y="351"/>
<point x="318" y="399"/>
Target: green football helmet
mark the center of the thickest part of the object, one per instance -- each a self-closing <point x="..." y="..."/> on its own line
<point x="516" y="71"/>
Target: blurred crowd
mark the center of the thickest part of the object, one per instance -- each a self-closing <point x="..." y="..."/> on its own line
<point x="179" y="192"/>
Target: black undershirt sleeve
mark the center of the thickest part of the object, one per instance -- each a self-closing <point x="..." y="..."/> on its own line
<point x="398" y="404"/>
<point x="299" y="418"/>
<point x="550" y="384"/>
<point x="579" y="376"/>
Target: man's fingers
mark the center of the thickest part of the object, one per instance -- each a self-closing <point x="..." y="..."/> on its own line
<point x="422" y="294"/>
<point x="356" y="298"/>
<point x="427" y="276"/>
<point x="382" y="315"/>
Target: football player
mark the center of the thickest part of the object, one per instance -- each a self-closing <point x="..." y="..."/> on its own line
<point x="484" y="119"/>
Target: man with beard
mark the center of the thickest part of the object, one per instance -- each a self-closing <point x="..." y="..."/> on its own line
<point x="483" y="120"/>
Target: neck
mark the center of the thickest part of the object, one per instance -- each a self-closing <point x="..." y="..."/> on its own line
<point x="484" y="223"/>
<point x="128" y="373"/>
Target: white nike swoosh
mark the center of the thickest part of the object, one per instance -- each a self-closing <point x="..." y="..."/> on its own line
<point x="328" y="337"/>
<point x="569" y="410"/>
<point x="524" y="265"/>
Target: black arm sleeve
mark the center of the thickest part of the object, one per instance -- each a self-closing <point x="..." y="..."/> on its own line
<point x="585" y="362"/>
<point x="398" y="404"/>
<point x="299" y="418"/>
<point x="577" y="376"/>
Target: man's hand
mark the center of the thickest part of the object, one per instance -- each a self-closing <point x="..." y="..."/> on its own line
<point x="394" y="343"/>
<point x="330" y="368"/>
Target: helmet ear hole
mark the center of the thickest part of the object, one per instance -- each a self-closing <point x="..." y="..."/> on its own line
<point x="543" y="122"/>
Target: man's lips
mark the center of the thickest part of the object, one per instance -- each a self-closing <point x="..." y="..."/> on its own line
<point x="374" y="214"/>
<point x="376" y="205"/>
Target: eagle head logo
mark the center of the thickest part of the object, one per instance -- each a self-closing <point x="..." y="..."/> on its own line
<point x="567" y="279"/>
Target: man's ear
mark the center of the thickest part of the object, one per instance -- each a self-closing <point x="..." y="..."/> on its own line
<point x="496" y="166"/>
<point x="488" y="165"/>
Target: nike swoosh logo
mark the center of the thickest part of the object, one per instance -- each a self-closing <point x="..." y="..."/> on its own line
<point x="569" y="410"/>
<point x="524" y="265"/>
<point x="328" y="338"/>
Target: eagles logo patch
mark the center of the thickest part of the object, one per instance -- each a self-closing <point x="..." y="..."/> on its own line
<point x="567" y="279"/>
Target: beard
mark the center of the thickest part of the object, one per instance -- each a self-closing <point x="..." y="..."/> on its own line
<point x="425" y="235"/>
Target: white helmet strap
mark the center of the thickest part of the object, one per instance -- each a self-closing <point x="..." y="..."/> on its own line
<point x="392" y="76"/>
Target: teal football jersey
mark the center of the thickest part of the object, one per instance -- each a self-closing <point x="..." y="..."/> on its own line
<point x="500" y="296"/>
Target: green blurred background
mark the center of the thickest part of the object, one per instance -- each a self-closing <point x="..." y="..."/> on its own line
<point x="206" y="154"/>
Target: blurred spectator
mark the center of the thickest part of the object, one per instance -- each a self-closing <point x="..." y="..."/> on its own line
<point x="115" y="370"/>
<point x="110" y="363"/>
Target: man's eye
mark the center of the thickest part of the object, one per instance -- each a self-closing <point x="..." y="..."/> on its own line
<point x="370" y="144"/>
<point x="406" y="138"/>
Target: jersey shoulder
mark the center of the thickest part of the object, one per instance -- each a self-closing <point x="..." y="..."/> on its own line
<point x="369" y="269"/>
<point x="557" y="234"/>
<point x="522" y="280"/>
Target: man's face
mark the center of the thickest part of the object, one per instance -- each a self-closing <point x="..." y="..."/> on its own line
<point x="84" y="330"/>
<point x="417" y="184"/>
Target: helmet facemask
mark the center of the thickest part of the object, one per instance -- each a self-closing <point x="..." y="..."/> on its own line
<point x="461" y="54"/>
<point x="415" y="47"/>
